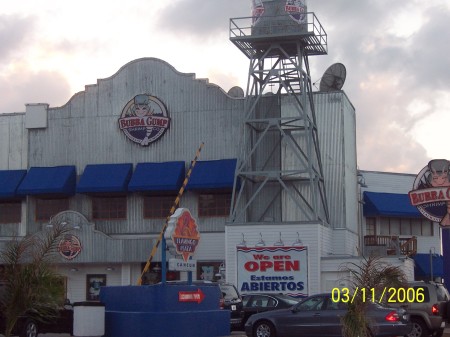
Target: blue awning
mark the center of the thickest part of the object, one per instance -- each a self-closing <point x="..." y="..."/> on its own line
<point x="105" y="178"/>
<point x="9" y="181"/>
<point x="58" y="180"/>
<point x="422" y="265"/>
<point x="389" y="204"/>
<point x="166" y="176"/>
<point x="212" y="174"/>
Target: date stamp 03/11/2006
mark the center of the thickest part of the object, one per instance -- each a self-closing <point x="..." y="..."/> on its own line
<point x="389" y="295"/>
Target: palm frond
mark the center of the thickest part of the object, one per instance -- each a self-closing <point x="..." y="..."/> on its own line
<point x="32" y="285"/>
<point x="373" y="275"/>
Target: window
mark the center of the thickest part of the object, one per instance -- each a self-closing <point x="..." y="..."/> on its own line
<point x="384" y="226"/>
<point x="46" y="208"/>
<point x="405" y="227"/>
<point x="208" y="270"/>
<point x="394" y="226"/>
<point x="261" y="301"/>
<point x="371" y="228"/>
<point x="400" y="226"/>
<point x="107" y="208"/>
<point x="333" y="305"/>
<point x="214" y="204"/>
<point x="93" y="284"/>
<point x="312" y="304"/>
<point x="10" y="212"/>
<point x="158" y="206"/>
<point x="426" y="227"/>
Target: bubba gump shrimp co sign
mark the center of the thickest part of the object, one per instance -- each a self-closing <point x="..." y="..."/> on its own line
<point x="182" y="234"/>
<point x="69" y="247"/>
<point x="144" y="119"/>
<point x="431" y="191"/>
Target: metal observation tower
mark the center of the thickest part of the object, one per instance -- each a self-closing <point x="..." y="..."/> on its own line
<point x="279" y="175"/>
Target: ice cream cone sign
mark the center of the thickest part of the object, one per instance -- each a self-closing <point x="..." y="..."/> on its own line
<point x="182" y="234"/>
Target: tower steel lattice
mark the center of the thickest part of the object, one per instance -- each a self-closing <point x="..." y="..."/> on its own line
<point x="279" y="175"/>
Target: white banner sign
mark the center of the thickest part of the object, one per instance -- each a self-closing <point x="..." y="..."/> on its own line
<point x="273" y="270"/>
<point x="181" y="265"/>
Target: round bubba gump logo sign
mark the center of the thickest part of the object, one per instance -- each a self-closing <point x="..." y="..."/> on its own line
<point x="431" y="191"/>
<point x="296" y="10"/>
<point x="69" y="247"/>
<point x="144" y="119"/>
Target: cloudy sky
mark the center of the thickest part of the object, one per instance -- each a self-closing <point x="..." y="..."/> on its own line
<point x="396" y="53"/>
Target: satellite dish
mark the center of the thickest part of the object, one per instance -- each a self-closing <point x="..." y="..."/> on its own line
<point x="236" y="92"/>
<point x="333" y="78"/>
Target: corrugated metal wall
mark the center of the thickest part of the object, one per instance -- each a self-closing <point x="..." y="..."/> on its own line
<point x="85" y="131"/>
<point x="14" y="142"/>
<point x="336" y="124"/>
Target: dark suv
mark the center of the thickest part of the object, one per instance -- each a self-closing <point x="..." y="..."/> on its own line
<point x="232" y="301"/>
<point x="427" y="312"/>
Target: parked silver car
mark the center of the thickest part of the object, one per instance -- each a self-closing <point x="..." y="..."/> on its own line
<point x="429" y="312"/>
<point x="319" y="316"/>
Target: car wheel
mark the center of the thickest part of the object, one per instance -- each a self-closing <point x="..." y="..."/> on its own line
<point x="30" y="329"/>
<point x="264" y="329"/>
<point x="419" y="329"/>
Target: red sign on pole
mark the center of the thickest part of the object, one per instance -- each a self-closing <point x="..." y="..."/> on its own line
<point x="191" y="296"/>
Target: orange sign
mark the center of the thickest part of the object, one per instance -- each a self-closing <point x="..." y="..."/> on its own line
<point x="182" y="233"/>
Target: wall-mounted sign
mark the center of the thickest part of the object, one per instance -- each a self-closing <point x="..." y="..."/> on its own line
<point x="431" y="191"/>
<point x="257" y="10"/>
<point x="296" y="10"/>
<point x="181" y="265"/>
<point x="273" y="270"/>
<point x="191" y="296"/>
<point x="182" y="235"/>
<point x="144" y="119"/>
<point x="69" y="246"/>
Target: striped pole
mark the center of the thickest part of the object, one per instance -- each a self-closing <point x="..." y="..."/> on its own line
<point x="172" y="210"/>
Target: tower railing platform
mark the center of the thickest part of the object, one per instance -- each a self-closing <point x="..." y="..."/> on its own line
<point x="254" y="35"/>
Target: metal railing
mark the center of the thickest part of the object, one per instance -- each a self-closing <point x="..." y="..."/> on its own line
<point x="394" y="245"/>
<point x="247" y="28"/>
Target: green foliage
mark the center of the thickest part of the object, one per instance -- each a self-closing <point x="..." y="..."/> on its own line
<point x="31" y="285"/>
<point x="371" y="278"/>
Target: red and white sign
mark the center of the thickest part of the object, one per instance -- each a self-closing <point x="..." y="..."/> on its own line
<point x="69" y="246"/>
<point x="296" y="9"/>
<point x="182" y="235"/>
<point x="257" y="10"/>
<point x="273" y="270"/>
<point x="144" y="119"/>
<point x="431" y="191"/>
<point x="191" y="296"/>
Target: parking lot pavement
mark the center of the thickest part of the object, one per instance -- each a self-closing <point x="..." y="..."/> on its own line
<point x="446" y="331"/>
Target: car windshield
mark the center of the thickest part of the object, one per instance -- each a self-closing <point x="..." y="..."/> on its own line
<point x="229" y="292"/>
